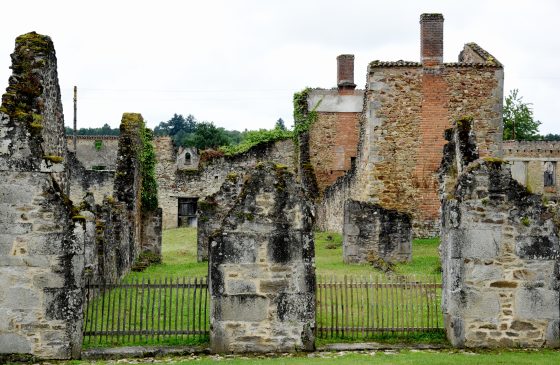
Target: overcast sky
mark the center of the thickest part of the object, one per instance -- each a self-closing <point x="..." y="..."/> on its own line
<point x="238" y="63"/>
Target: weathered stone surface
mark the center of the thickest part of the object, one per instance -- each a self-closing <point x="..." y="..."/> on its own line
<point x="262" y="267"/>
<point x="407" y="108"/>
<point x="529" y="161"/>
<point x="500" y="253"/>
<point x="95" y="152"/>
<point x="41" y="248"/>
<point x="198" y="181"/>
<point x="370" y="230"/>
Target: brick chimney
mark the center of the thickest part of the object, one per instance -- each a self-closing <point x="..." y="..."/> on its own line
<point x="431" y="39"/>
<point x="345" y="72"/>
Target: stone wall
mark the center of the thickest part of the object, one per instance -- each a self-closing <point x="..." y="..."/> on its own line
<point x="534" y="164"/>
<point x="95" y="152"/>
<point x="407" y="107"/>
<point x="175" y="182"/>
<point x="262" y="268"/>
<point x="213" y="209"/>
<point x="500" y="254"/>
<point x="82" y="181"/>
<point x="41" y="247"/>
<point x="407" y="111"/>
<point x="371" y="232"/>
<point x="124" y="228"/>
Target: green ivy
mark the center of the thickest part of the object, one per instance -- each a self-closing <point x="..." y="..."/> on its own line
<point x="303" y="117"/>
<point x="148" y="166"/>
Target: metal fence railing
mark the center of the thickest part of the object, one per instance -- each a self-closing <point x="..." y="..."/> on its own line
<point x="146" y="310"/>
<point x="163" y="310"/>
<point x="359" y="307"/>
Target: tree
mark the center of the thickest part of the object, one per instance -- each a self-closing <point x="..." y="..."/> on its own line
<point x="207" y="135"/>
<point x="280" y="124"/>
<point x="518" y="119"/>
<point x="178" y="127"/>
<point x="551" y="137"/>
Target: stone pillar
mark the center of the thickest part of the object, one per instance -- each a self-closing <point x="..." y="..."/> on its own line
<point x="370" y="231"/>
<point x="431" y="39"/>
<point x="262" y="273"/>
<point x="41" y="233"/>
<point x="500" y="253"/>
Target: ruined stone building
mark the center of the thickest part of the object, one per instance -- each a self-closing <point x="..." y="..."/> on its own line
<point x="534" y="165"/>
<point x="500" y="252"/>
<point x="406" y="108"/>
<point x="58" y="226"/>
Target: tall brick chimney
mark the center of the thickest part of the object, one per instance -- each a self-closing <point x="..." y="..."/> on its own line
<point x="431" y="39"/>
<point x="345" y="72"/>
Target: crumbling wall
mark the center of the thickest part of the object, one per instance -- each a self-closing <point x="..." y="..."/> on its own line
<point x="213" y="209"/>
<point x="262" y="268"/>
<point x="82" y="181"/>
<point x="500" y="253"/>
<point x="534" y="164"/>
<point x="124" y="225"/>
<point x="95" y="152"/>
<point x="408" y="108"/>
<point x="41" y="238"/>
<point x="371" y="232"/>
<point x="176" y="182"/>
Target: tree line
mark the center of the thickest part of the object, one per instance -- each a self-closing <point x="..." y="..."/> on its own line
<point x="518" y="124"/>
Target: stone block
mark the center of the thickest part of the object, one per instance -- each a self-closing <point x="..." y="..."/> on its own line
<point x="235" y="287"/>
<point x="482" y="241"/>
<point x="243" y="308"/>
<point x="536" y="303"/>
<point x="14" y="344"/>
<point x="480" y="272"/>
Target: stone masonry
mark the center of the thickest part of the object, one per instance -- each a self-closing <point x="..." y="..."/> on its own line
<point x="205" y="177"/>
<point x="534" y="164"/>
<point x="41" y="238"/>
<point x="500" y="253"/>
<point x="407" y="107"/>
<point x="262" y="268"/>
<point x="212" y="211"/>
<point x="95" y="152"/>
<point x="372" y="232"/>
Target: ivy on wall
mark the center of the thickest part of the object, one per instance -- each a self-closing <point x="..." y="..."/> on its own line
<point x="303" y="117"/>
<point x="148" y="166"/>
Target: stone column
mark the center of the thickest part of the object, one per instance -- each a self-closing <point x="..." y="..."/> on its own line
<point x="262" y="273"/>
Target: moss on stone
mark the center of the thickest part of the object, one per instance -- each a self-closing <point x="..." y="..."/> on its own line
<point x="232" y="177"/>
<point x="54" y="158"/>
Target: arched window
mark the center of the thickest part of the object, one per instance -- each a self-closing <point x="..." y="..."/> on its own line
<point x="188" y="159"/>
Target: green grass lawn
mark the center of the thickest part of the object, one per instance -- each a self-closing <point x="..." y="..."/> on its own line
<point x="456" y="357"/>
<point x="140" y="309"/>
<point x="179" y="257"/>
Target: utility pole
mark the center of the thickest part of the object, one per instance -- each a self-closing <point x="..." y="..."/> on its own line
<point x="75" y="115"/>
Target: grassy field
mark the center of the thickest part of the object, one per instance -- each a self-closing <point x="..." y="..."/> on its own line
<point x="141" y="309"/>
<point x="512" y="357"/>
<point x="179" y="257"/>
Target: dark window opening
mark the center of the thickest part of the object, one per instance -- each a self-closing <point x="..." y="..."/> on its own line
<point x="187" y="212"/>
<point x="352" y="162"/>
<point x="188" y="159"/>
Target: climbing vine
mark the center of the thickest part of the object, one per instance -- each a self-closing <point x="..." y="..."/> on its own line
<point x="148" y="165"/>
<point x="303" y="117"/>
